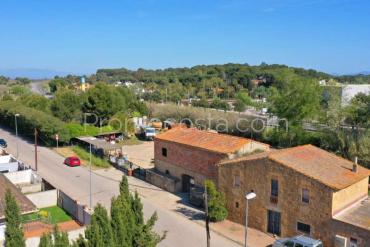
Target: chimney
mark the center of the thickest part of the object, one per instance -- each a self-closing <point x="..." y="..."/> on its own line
<point x="355" y="166"/>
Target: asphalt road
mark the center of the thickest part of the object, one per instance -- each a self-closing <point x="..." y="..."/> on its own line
<point x="75" y="182"/>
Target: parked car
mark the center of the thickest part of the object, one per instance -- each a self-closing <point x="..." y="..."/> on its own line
<point x="147" y="133"/>
<point x="72" y="161"/>
<point x="298" y="241"/>
<point x="3" y="143"/>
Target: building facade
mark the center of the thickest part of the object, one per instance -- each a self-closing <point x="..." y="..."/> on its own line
<point x="301" y="190"/>
<point x="190" y="155"/>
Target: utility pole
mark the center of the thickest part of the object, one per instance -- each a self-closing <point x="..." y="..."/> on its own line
<point x="16" y="132"/>
<point x="36" y="149"/>
<point x="207" y="217"/>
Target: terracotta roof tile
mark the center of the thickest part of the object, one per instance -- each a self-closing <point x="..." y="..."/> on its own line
<point x="329" y="169"/>
<point x="220" y="143"/>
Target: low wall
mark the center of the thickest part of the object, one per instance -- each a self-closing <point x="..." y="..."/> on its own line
<point x="76" y="210"/>
<point x="31" y="188"/>
<point x="23" y="177"/>
<point x="162" y="181"/>
<point x="44" y="199"/>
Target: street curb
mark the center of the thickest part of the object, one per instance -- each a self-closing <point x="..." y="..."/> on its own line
<point x="201" y="223"/>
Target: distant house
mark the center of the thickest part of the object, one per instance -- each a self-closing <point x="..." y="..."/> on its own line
<point x="350" y="91"/>
<point x="300" y="190"/>
<point x="191" y="155"/>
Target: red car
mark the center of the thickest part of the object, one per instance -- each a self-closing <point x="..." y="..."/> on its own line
<point x="72" y="161"/>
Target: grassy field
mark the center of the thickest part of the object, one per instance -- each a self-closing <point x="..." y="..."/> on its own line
<point x="84" y="155"/>
<point x="54" y="213"/>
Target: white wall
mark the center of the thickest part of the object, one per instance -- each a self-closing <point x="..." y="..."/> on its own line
<point x="44" y="199"/>
<point x="350" y="91"/>
<point x="23" y="177"/>
<point x="2" y="232"/>
<point x="10" y="167"/>
<point x="20" y="177"/>
<point x="5" y="158"/>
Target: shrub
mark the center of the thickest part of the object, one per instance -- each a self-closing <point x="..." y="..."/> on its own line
<point x="30" y="119"/>
<point x="216" y="202"/>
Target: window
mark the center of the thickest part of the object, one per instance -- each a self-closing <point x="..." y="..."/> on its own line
<point x="164" y="152"/>
<point x="298" y="245"/>
<point x="167" y="172"/>
<point x="236" y="181"/>
<point x="305" y="196"/>
<point x="353" y="242"/>
<point x="274" y="191"/>
<point x="274" y="188"/>
<point x="237" y="204"/>
<point x="304" y="228"/>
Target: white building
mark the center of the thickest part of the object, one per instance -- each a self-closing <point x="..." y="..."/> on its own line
<point x="350" y="91"/>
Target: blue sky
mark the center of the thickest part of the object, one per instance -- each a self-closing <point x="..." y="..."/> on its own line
<point x="82" y="35"/>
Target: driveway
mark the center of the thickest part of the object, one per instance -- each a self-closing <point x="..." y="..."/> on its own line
<point x="75" y="182"/>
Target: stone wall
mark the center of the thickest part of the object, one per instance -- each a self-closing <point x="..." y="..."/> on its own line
<point x="162" y="181"/>
<point x="256" y="175"/>
<point x="193" y="160"/>
<point x="347" y="231"/>
<point x="348" y="196"/>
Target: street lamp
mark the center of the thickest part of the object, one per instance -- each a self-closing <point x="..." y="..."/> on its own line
<point x="248" y="197"/>
<point x="16" y="131"/>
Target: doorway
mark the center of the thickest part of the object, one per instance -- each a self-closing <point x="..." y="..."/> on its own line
<point x="186" y="183"/>
<point x="274" y="223"/>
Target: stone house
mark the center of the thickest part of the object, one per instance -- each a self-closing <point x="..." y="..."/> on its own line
<point x="190" y="155"/>
<point x="300" y="190"/>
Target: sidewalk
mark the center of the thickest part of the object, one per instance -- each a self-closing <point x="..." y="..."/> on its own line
<point x="178" y="204"/>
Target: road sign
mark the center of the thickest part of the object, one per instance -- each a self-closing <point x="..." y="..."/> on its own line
<point x="57" y="137"/>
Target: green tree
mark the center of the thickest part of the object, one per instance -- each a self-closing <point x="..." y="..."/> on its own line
<point x="60" y="238"/>
<point x="58" y="83"/>
<point x="220" y="104"/>
<point x="46" y="240"/>
<point x="66" y="105"/>
<point x="243" y="97"/>
<point x="3" y="80"/>
<point x="13" y="231"/>
<point x="216" y="202"/>
<point x="22" y="80"/>
<point x="100" y="231"/>
<point x="104" y="101"/>
<point x="295" y="100"/>
<point x="239" y="106"/>
<point x="121" y="121"/>
<point x="19" y="90"/>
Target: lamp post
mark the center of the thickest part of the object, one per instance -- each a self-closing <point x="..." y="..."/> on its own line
<point x="16" y="131"/>
<point x="90" y="179"/>
<point x="248" y="197"/>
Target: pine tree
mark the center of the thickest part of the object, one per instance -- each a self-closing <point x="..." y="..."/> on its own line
<point x="122" y="222"/>
<point x="13" y="232"/>
<point x="46" y="240"/>
<point x="60" y="238"/>
<point x="80" y="242"/>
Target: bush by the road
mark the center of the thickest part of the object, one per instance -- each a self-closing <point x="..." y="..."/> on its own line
<point x="30" y="118"/>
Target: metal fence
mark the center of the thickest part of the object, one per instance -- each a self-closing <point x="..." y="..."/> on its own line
<point x="123" y="164"/>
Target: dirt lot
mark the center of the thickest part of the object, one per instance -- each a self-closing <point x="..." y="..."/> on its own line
<point x="141" y="154"/>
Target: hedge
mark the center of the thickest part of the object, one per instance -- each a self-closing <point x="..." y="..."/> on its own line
<point x="30" y="118"/>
